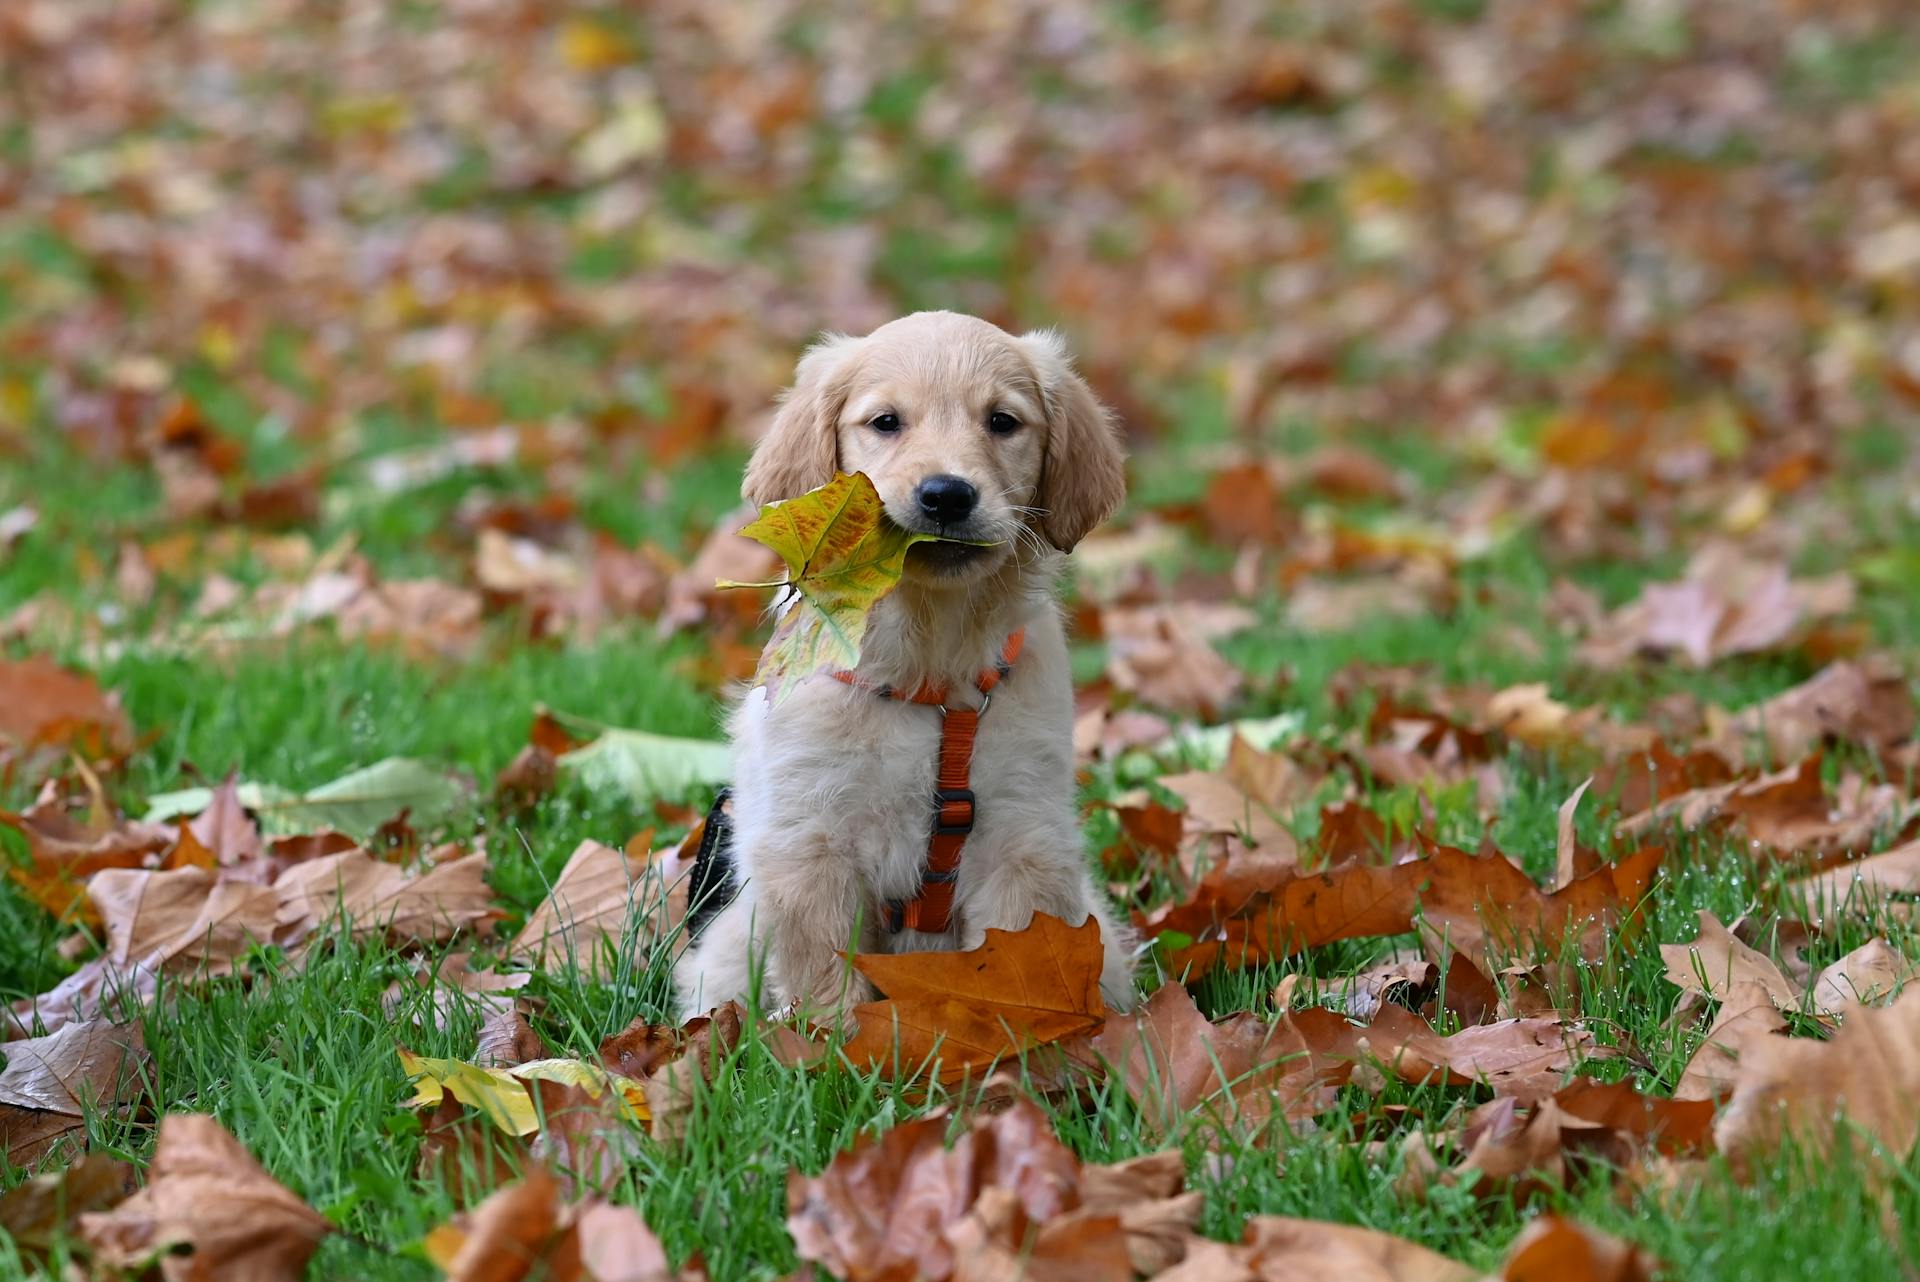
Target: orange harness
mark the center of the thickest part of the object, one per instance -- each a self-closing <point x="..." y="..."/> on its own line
<point x="953" y="807"/>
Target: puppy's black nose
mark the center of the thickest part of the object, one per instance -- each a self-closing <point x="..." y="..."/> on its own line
<point x="947" y="499"/>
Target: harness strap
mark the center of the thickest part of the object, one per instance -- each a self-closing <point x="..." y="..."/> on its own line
<point x="953" y="801"/>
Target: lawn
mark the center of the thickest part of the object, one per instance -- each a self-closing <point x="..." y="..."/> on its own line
<point x="1514" y="399"/>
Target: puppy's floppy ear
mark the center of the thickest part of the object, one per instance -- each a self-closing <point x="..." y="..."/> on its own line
<point x="1083" y="477"/>
<point x="801" y="450"/>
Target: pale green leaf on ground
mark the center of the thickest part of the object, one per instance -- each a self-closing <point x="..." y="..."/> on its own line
<point x="639" y="765"/>
<point x="356" y="803"/>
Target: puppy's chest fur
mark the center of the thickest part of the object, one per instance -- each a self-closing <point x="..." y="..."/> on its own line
<point x="840" y="772"/>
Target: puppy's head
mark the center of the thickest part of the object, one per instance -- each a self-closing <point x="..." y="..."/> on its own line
<point x="967" y="431"/>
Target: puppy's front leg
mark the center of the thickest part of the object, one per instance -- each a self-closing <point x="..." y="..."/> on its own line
<point x="811" y="898"/>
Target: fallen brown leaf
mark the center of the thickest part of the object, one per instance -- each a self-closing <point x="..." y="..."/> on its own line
<point x="1478" y="904"/>
<point x="50" y="1083"/>
<point x="1869" y="1072"/>
<point x="185" y="920"/>
<point x="379" y="899"/>
<point x="1277" y="1249"/>
<point x="1862" y="887"/>
<point x="63" y="853"/>
<point x="905" y="1207"/>
<point x="1747" y="1014"/>
<point x="1726" y="605"/>
<point x="1715" y="961"/>
<point x="599" y="892"/>
<point x="451" y="988"/>
<point x="1163" y="655"/>
<point x="1553" y="1249"/>
<point x="1216" y="804"/>
<point x="1017" y="990"/>
<point x="37" y="1214"/>
<point x="81" y="996"/>
<point x="207" y="1194"/>
<point x="224" y="828"/>
<point x="1788" y="812"/>
<point x="1863" y="703"/>
<point x="46" y="710"/>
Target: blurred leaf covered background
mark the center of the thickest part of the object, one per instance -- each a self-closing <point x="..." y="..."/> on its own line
<point x="1518" y="391"/>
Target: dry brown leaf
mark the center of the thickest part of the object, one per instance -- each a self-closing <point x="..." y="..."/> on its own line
<point x="43" y="1210"/>
<point x="1017" y="990"/>
<point x="1523" y="1058"/>
<point x="1103" y="733"/>
<point x="1715" y="961"/>
<point x="640" y="1048"/>
<point x="1869" y="1071"/>
<point x="225" y="829"/>
<point x="1866" y="976"/>
<point x="207" y="1194"/>
<point x="1277" y="1249"/>
<point x="1669" y="1126"/>
<point x="379" y="899"/>
<point x="1520" y="1150"/>
<point x="905" y="1207"/>
<point x="1726" y="605"/>
<point x="453" y="989"/>
<point x="691" y="596"/>
<point x="1571" y="860"/>
<point x="1553" y="1249"/>
<point x="1162" y="654"/>
<point x="1787" y="812"/>
<point x="1170" y="1058"/>
<point x="63" y="853"/>
<point x="46" y="710"/>
<point x="1529" y="714"/>
<point x="510" y="1236"/>
<point x="599" y="892"/>
<point x="1215" y="804"/>
<point x="1410" y="983"/>
<point x="510" y="566"/>
<point x="506" y="1039"/>
<point x="1861" y="887"/>
<point x="1478" y="904"/>
<point x="1327" y="607"/>
<point x="704" y="1043"/>
<point x="81" y="996"/>
<point x="1242" y="505"/>
<point x="186" y="920"/>
<point x="1656" y="774"/>
<point x="424" y="617"/>
<point x="1747" y="1014"/>
<point x="1270" y="779"/>
<point x="1241" y="1072"/>
<point x="50" y="1083"/>
<point x="1862" y="703"/>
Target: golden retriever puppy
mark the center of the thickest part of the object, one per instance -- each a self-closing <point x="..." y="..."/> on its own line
<point x="847" y="824"/>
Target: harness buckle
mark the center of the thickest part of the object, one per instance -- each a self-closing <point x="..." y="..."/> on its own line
<point x="944" y="797"/>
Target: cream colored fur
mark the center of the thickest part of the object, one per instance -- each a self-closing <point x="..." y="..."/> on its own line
<point x="833" y="789"/>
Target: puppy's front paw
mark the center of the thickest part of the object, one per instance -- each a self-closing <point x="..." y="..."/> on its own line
<point x="828" y="1002"/>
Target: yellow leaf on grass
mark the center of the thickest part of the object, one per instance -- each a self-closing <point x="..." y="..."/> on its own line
<point x="842" y="557"/>
<point x="498" y="1095"/>
<point x="591" y="1078"/>
<point x="501" y="1094"/>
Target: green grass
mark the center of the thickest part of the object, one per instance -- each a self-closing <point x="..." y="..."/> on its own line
<point x="299" y="1062"/>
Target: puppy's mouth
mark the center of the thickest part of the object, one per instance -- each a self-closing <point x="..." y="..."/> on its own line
<point x="943" y="557"/>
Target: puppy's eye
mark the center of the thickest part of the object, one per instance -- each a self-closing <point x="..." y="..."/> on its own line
<point x="884" y="422"/>
<point x="1002" y="422"/>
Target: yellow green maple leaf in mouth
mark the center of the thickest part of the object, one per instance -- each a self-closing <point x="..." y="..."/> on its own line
<point x="843" y="557"/>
